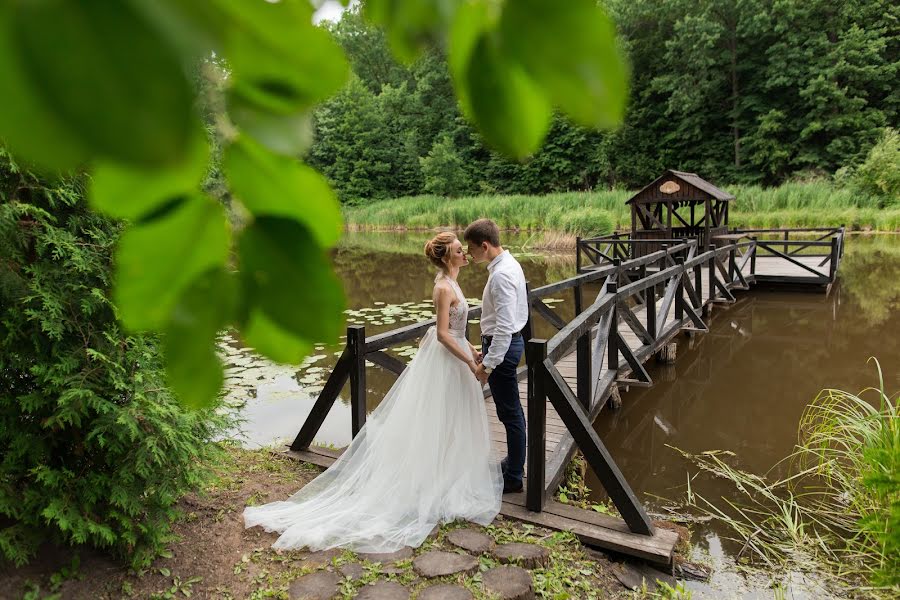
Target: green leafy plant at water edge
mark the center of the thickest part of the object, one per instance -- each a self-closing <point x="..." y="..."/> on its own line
<point x="105" y="87"/>
<point x="879" y="173"/>
<point x="95" y="450"/>
<point x="839" y="514"/>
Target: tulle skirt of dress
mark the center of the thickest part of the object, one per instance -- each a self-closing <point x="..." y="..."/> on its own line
<point x="422" y="458"/>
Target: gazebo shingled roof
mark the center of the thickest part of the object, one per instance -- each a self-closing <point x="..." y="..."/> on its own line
<point x="697" y="189"/>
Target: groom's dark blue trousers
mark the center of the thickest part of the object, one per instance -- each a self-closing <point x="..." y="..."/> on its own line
<point x="505" y="390"/>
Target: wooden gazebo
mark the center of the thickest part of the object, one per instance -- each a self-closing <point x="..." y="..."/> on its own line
<point x="679" y="205"/>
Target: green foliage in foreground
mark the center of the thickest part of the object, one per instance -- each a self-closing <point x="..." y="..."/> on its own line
<point x="94" y="448"/>
<point x="839" y="514"/>
<point x="796" y="204"/>
<point x="106" y="87"/>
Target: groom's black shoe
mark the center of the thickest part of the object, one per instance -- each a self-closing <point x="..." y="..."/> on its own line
<point x="511" y="487"/>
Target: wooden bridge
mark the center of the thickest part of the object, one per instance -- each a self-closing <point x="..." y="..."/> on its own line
<point x="647" y="297"/>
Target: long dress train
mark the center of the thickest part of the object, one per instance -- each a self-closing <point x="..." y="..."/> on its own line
<point x="422" y="458"/>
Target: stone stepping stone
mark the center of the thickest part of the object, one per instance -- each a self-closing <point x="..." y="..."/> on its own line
<point x="321" y="558"/>
<point x="438" y="563"/>
<point x="383" y="590"/>
<point x="352" y="571"/>
<point x="321" y="585"/>
<point x="471" y="540"/>
<point x="509" y="583"/>
<point x="388" y="557"/>
<point x="445" y="591"/>
<point x="529" y="556"/>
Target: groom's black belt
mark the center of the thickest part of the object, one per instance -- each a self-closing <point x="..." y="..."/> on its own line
<point x="490" y="338"/>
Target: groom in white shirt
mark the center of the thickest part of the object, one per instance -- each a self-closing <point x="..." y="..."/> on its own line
<point x="504" y="314"/>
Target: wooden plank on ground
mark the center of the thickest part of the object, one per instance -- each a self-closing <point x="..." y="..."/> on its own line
<point x="608" y="533"/>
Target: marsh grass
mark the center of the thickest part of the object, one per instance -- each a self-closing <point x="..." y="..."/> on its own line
<point x="838" y="514"/>
<point x="795" y="204"/>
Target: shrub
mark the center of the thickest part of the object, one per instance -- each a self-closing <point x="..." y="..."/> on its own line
<point x="94" y="449"/>
<point x="879" y="174"/>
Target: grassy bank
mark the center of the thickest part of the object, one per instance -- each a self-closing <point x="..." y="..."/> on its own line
<point x="839" y="514"/>
<point x="589" y="213"/>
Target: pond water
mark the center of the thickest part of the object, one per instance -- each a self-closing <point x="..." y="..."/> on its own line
<point x="742" y="387"/>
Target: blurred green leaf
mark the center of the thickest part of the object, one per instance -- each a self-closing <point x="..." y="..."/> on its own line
<point x="411" y="25"/>
<point x="288" y="134"/>
<point x="278" y="186"/>
<point x="280" y="61"/>
<point x="157" y="260"/>
<point x="506" y="104"/>
<point x="109" y="77"/>
<point x="287" y="275"/>
<point x="206" y="306"/>
<point x="27" y="123"/>
<point x="569" y="48"/>
<point x="471" y="21"/>
<point x="128" y="192"/>
<point x="267" y="338"/>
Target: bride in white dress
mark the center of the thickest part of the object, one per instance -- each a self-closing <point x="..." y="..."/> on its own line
<point x="422" y="458"/>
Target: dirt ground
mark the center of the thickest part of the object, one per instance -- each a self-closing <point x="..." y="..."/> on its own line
<point x="216" y="557"/>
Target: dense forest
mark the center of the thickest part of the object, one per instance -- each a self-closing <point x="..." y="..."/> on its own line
<point x="749" y="91"/>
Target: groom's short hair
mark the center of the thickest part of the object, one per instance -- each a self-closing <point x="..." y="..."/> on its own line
<point x="483" y="230"/>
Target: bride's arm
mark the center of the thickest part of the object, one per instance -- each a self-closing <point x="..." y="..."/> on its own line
<point x="443" y="298"/>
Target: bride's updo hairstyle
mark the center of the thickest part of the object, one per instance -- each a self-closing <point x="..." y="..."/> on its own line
<point x="438" y="248"/>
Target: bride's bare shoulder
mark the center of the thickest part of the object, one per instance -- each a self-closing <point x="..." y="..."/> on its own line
<point x="440" y="287"/>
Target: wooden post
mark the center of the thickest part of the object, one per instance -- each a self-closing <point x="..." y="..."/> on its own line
<point x="712" y="272"/>
<point x="651" y="313"/>
<point x="578" y="255"/>
<point x="356" y="342"/>
<point x="832" y="271"/>
<point x="698" y="285"/>
<point x="841" y="247"/>
<point x="785" y="239"/>
<point x="663" y="262"/>
<point x="732" y="261"/>
<point x="583" y="357"/>
<point x="753" y="256"/>
<point x="612" y="349"/>
<point x="679" y="288"/>
<point x="527" y="330"/>
<point x="642" y="274"/>
<point x="535" y="353"/>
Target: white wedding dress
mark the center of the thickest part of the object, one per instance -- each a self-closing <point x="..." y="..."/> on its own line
<point x="422" y="458"/>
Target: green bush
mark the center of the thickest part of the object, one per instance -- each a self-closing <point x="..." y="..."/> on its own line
<point x="94" y="449"/>
<point x="879" y="174"/>
<point x="443" y="170"/>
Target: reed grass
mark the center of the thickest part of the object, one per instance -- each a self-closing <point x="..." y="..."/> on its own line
<point x="807" y="204"/>
<point x="838" y="514"/>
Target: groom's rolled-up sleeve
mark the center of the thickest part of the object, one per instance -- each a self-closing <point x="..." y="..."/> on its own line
<point x="503" y="292"/>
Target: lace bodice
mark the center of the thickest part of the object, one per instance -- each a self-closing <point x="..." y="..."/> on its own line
<point x="459" y="312"/>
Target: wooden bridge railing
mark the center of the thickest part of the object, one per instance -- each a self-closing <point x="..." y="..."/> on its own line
<point x="604" y="359"/>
